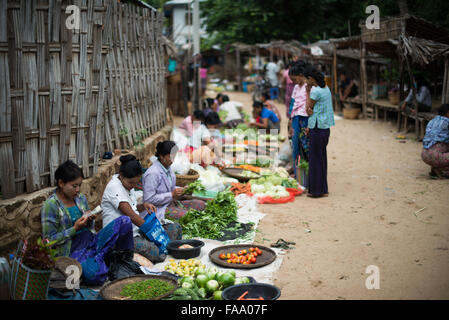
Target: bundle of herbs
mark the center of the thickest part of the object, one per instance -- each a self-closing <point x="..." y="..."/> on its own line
<point x="212" y="221"/>
<point x="38" y="254"/>
<point x="196" y="186"/>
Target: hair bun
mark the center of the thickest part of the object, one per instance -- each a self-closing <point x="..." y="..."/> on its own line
<point x="127" y="158"/>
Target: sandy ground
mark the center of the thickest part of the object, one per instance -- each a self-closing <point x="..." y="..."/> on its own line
<point x="372" y="217"/>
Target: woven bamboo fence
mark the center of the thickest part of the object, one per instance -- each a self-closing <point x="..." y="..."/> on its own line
<point x="74" y="94"/>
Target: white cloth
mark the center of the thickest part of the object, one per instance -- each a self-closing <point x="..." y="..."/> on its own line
<point x="272" y="74"/>
<point x="231" y="108"/>
<point x="422" y="96"/>
<point x="199" y="135"/>
<point x="115" y="193"/>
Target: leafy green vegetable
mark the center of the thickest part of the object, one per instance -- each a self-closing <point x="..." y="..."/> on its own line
<point x="210" y="223"/>
<point x="196" y="186"/>
<point x="147" y="289"/>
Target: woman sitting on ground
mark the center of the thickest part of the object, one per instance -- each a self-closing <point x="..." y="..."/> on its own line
<point x="159" y="186"/>
<point x="436" y="143"/>
<point x="267" y="118"/>
<point x="188" y="123"/>
<point x="120" y="200"/>
<point x="269" y="104"/>
<point x="65" y="218"/>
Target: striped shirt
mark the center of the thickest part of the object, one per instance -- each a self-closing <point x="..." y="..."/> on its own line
<point x="57" y="223"/>
<point x="323" y="113"/>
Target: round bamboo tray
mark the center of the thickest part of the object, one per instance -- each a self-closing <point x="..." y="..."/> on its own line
<point x="185" y="180"/>
<point x="267" y="257"/>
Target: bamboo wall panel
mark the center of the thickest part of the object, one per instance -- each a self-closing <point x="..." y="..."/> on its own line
<point x="75" y="94"/>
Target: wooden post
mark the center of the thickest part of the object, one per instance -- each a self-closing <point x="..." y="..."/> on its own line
<point x="337" y="106"/>
<point x="364" y="82"/>
<point x="401" y="91"/>
<point x="239" y="70"/>
<point x="415" y="102"/>
<point x="445" y="92"/>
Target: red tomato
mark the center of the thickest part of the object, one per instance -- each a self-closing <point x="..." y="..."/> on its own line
<point x="253" y="260"/>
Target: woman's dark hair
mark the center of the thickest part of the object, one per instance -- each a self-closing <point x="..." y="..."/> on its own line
<point x="297" y="68"/>
<point x="164" y="148"/>
<point x="68" y="171"/>
<point x="219" y="96"/>
<point x="257" y="104"/>
<point x="130" y="167"/>
<point x="312" y="72"/>
<point x="421" y="81"/>
<point x="266" y="95"/>
<point x="443" y="109"/>
<point x="224" y="98"/>
<point x="198" y="114"/>
<point x="208" y="102"/>
<point x="212" y="118"/>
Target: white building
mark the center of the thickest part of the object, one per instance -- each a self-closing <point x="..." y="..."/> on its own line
<point x="180" y="14"/>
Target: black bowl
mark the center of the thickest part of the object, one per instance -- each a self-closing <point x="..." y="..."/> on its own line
<point x="255" y="290"/>
<point x="173" y="250"/>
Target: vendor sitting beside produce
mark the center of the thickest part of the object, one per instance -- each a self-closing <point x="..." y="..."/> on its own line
<point x="120" y="200"/>
<point x="66" y="218"/>
<point x="268" y="119"/>
<point x="187" y="124"/>
<point x="436" y="143"/>
<point x="159" y="186"/>
<point x="423" y="97"/>
<point x="269" y="104"/>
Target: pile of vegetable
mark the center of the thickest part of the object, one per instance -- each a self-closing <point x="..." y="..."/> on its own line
<point x="210" y="223"/>
<point x="242" y="257"/>
<point x="249" y="174"/>
<point x="249" y="167"/>
<point x="184" y="267"/>
<point x="146" y="290"/>
<point x="206" y="284"/>
<point x="239" y="188"/>
<point x="196" y="186"/>
<point x="273" y="185"/>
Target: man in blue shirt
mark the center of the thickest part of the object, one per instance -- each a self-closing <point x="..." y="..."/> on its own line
<point x="267" y="118"/>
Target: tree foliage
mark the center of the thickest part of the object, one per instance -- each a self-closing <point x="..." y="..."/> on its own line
<point x="260" y="21"/>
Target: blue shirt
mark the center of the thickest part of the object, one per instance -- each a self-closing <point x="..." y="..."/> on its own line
<point x="437" y="130"/>
<point x="267" y="113"/>
<point x="323" y="112"/>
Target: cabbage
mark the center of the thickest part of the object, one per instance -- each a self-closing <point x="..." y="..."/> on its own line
<point x="257" y="188"/>
<point x="268" y="186"/>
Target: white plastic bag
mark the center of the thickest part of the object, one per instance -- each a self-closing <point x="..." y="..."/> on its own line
<point x="181" y="165"/>
<point x="181" y="140"/>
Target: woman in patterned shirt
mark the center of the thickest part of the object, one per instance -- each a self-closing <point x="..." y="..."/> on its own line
<point x="66" y="218"/>
<point x="436" y="144"/>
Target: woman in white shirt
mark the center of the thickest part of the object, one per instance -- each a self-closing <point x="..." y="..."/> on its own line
<point x="119" y="198"/>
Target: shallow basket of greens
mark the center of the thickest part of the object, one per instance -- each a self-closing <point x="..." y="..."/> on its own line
<point x="139" y="287"/>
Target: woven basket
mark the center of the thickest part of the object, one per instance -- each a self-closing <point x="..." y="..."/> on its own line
<point x="185" y="180"/>
<point x="393" y="97"/>
<point x="351" y="113"/>
<point x="27" y="283"/>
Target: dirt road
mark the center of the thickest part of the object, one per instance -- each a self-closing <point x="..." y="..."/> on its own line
<point x="383" y="211"/>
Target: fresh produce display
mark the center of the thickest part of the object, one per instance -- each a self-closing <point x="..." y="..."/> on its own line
<point x="206" y="284"/>
<point x="249" y="174"/>
<point x="250" y="168"/>
<point x="239" y="188"/>
<point x="273" y="185"/>
<point x="196" y="186"/>
<point x="242" y="257"/>
<point x="185" y="246"/>
<point x="147" y="289"/>
<point x="184" y="267"/>
<point x="210" y="223"/>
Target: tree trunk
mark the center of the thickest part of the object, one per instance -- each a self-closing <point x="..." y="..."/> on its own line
<point x="403" y="8"/>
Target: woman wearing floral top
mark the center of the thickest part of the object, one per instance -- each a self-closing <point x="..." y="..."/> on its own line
<point x="436" y="143"/>
<point x="65" y="218"/>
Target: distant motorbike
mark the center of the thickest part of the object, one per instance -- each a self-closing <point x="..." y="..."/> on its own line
<point x="260" y="87"/>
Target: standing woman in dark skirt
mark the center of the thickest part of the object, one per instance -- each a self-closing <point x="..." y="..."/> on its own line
<point x="321" y="118"/>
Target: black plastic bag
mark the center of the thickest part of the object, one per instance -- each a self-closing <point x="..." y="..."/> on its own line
<point x="122" y="265"/>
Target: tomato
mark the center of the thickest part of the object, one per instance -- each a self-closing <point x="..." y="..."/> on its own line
<point x="222" y="256"/>
<point x="251" y="249"/>
<point x="244" y="251"/>
<point x="233" y="256"/>
<point x="240" y="252"/>
<point x="255" y="254"/>
<point x="246" y="262"/>
<point x="259" y="252"/>
<point x="228" y="256"/>
<point x="253" y="260"/>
